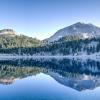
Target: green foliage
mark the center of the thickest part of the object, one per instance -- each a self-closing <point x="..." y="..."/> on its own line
<point x="7" y="41"/>
<point x="28" y="45"/>
<point x="75" y="37"/>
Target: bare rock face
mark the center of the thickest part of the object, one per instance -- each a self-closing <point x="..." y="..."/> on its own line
<point x="7" y="32"/>
<point x="7" y="81"/>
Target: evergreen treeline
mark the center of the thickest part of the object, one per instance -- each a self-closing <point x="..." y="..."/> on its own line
<point x="7" y="41"/>
<point x="28" y="45"/>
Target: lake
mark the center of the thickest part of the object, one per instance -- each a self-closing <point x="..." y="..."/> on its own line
<point x="49" y="79"/>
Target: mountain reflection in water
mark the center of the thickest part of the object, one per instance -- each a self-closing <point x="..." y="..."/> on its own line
<point x="77" y="74"/>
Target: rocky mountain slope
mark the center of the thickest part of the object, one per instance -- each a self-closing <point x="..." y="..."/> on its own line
<point x="79" y="29"/>
<point x="7" y="32"/>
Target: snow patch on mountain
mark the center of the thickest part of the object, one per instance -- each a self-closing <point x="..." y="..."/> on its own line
<point x="85" y="35"/>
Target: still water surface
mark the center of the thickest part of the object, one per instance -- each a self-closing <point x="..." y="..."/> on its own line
<point x="49" y="79"/>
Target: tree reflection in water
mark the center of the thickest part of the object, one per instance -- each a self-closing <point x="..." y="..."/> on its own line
<point x="76" y="74"/>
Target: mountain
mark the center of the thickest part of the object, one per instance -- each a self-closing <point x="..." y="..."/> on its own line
<point x="71" y="44"/>
<point x="79" y="29"/>
<point x="9" y="39"/>
<point x="7" y="32"/>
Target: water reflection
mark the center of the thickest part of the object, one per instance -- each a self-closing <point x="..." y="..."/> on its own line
<point x="77" y="74"/>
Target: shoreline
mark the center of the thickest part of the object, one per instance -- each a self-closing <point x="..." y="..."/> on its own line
<point x="83" y="57"/>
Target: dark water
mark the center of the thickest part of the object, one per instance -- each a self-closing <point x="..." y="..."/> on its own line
<point x="49" y="79"/>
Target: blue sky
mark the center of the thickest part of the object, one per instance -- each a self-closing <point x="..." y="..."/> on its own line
<point x="42" y="18"/>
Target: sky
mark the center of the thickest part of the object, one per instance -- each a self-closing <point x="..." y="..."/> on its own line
<point x="42" y="18"/>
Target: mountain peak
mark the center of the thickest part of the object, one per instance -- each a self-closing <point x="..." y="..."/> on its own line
<point x="80" y="23"/>
<point x="83" y="23"/>
<point x="7" y="32"/>
<point x="88" y="30"/>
